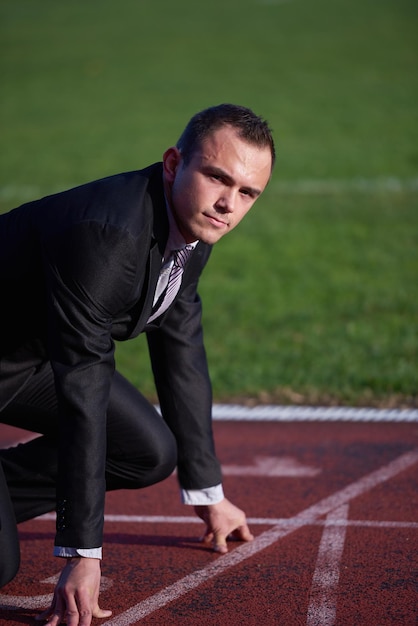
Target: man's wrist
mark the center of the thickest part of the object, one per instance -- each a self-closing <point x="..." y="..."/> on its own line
<point x="199" y="497"/>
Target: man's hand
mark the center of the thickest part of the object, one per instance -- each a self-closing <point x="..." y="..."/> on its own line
<point x="76" y="596"/>
<point x="222" y="521"/>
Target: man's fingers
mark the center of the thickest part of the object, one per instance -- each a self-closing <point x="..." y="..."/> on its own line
<point x="98" y="612"/>
<point x="217" y="540"/>
<point x="243" y="533"/>
<point x="42" y="617"/>
<point x="221" y="548"/>
<point x="52" y="617"/>
<point x="219" y="543"/>
<point x="223" y="521"/>
<point x="77" y="615"/>
<point x="55" y="619"/>
<point x="207" y="537"/>
<point x="74" y="616"/>
<point x="80" y="608"/>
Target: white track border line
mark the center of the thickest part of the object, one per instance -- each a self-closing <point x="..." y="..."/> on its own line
<point x="266" y="539"/>
<point x="273" y="413"/>
<point x="252" y="521"/>
<point x="308" y="186"/>
<point x="322" y="607"/>
<point x="319" y="186"/>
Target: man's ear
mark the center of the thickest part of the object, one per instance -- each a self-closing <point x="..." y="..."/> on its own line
<point x="171" y="161"/>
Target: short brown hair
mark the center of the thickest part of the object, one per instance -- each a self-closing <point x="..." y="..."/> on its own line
<point x="250" y="127"/>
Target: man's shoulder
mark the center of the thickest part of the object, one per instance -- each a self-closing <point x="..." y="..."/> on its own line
<point x="125" y="200"/>
<point x="139" y="177"/>
<point x="123" y="187"/>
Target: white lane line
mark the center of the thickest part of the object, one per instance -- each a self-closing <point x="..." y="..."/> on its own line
<point x="277" y="413"/>
<point x="266" y="539"/>
<point x="388" y="184"/>
<point x="252" y="521"/>
<point x="271" y="466"/>
<point x="13" y="603"/>
<point x="323" y="597"/>
<point x="361" y="184"/>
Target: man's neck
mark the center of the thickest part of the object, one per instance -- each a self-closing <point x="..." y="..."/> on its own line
<point x="175" y="238"/>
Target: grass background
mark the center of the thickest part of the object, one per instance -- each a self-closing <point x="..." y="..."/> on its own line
<point x="314" y="297"/>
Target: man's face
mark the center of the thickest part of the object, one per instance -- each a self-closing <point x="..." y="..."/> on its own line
<point x="211" y="194"/>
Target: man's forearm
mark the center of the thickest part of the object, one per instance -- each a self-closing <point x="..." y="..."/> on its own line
<point x="194" y="497"/>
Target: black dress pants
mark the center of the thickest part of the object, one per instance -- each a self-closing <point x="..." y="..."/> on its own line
<point x="141" y="449"/>
<point x="9" y="542"/>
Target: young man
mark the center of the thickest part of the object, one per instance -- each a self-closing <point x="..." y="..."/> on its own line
<point x="104" y="262"/>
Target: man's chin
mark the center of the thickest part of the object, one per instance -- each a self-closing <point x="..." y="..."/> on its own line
<point x="211" y="238"/>
<point x="212" y="235"/>
<point x="204" y="235"/>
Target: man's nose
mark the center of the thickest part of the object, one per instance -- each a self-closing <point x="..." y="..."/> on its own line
<point x="226" y="201"/>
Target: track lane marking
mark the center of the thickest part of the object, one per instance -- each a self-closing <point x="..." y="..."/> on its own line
<point x="14" y="603"/>
<point x="278" y="413"/>
<point x="359" y="184"/>
<point x="266" y="539"/>
<point x="252" y="521"/>
<point x="322" y="607"/>
<point x="274" y="466"/>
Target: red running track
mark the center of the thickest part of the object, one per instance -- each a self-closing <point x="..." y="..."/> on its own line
<point x="334" y="510"/>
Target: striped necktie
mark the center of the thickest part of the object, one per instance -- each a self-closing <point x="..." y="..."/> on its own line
<point x="180" y="258"/>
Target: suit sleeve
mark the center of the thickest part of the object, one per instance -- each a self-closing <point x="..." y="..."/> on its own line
<point x="89" y="272"/>
<point x="182" y="379"/>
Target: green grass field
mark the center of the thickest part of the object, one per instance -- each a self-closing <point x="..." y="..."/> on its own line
<point x="314" y="298"/>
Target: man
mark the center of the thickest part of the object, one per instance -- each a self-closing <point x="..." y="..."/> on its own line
<point x="95" y="264"/>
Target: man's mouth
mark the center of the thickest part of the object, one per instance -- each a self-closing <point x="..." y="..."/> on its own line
<point x="217" y="221"/>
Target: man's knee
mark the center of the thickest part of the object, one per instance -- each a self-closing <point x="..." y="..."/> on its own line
<point x="162" y="460"/>
<point x="142" y="469"/>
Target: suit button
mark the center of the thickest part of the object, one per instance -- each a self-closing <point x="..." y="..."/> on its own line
<point x="61" y="514"/>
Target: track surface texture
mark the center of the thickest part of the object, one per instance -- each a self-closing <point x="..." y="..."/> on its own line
<point x="334" y="509"/>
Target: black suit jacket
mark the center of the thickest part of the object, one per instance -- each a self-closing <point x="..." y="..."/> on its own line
<point x="78" y="270"/>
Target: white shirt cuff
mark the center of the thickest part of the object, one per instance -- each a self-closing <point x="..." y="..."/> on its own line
<point x="210" y="495"/>
<point x="89" y="553"/>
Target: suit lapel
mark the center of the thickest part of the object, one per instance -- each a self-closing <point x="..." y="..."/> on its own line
<point x="158" y="243"/>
